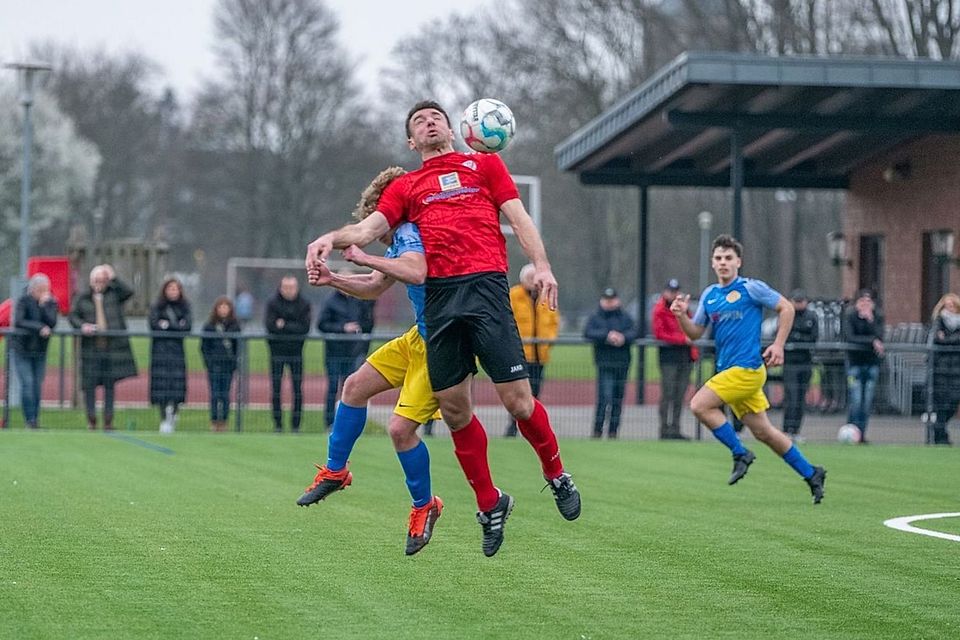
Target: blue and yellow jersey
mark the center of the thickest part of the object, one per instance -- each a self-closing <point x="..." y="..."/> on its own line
<point x="406" y="238"/>
<point x="735" y="311"/>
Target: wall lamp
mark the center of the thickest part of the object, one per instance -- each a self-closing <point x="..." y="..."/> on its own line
<point x="837" y="249"/>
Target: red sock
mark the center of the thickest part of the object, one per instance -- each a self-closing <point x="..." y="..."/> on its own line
<point x="470" y="447"/>
<point x="538" y="432"/>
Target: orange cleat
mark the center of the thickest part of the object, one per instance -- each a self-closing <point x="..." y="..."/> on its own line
<point x="325" y="483"/>
<point x="422" y="520"/>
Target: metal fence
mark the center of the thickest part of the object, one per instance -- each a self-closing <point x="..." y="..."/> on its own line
<point x="569" y="389"/>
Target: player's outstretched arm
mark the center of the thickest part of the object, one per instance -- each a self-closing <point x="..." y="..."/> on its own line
<point x="773" y="355"/>
<point x="679" y="307"/>
<point x="366" y="286"/>
<point x="532" y="245"/>
<point x="409" y="267"/>
<point x="361" y="234"/>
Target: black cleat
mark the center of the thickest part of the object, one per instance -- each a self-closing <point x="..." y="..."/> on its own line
<point x="492" y="523"/>
<point x="566" y="495"/>
<point x="741" y="463"/>
<point x="816" y="482"/>
<point x="325" y="483"/>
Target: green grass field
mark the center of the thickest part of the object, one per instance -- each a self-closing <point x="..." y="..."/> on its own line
<point x="103" y="537"/>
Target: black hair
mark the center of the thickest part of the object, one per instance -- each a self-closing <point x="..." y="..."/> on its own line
<point x="726" y="241"/>
<point x="424" y="104"/>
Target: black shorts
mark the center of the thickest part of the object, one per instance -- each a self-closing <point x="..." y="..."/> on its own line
<point x="469" y="318"/>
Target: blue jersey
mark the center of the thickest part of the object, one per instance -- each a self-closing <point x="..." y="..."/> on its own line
<point x="407" y="238"/>
<point x="735" y="311"/>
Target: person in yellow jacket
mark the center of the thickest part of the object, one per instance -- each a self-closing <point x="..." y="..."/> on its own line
<point x="534" y="321"/>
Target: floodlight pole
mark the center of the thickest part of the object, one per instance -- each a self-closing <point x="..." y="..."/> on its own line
<point x="26" y="72"/>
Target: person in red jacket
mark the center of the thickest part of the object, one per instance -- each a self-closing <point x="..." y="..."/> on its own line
<point x="677" y="356"/>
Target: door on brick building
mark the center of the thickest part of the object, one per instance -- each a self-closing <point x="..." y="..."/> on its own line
<point x="935" y="274"/>
<point x="871" y="264"/>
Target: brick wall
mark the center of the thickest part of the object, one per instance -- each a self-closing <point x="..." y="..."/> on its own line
<point x="902" y="210"/>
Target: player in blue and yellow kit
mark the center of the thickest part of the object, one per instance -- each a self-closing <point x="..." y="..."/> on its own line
<point x="400" y="363"/>
<point x="734" y="306"/>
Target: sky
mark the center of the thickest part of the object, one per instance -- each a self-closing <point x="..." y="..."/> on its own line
<point x="178" y="34"/>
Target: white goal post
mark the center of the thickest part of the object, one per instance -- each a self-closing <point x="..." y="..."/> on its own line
<point x="533" y="207"/>
<point x="296" y="264"/>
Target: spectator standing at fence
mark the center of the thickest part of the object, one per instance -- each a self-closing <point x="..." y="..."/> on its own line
<point x="798" y="363"/>
<point x="863" y="327"/>
<point x="676" y="357"/>
<point x="104" y="360"/>
<point x="170" y="316"/>
<point x="612" y="332"/>
<point x="219" y="349"/>
<point x="287" y="321"/>
<point x="534" y="321"/>
<point x="946" y="365"/>
<point x="34" y="319"/>
<point x="343" y="314"/>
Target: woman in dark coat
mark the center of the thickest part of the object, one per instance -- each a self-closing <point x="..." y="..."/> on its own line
<point x="220" y="356"/>
<point x="946" y="365"/>
<point x="170" y="314"/>
<point x="104" y="360"/>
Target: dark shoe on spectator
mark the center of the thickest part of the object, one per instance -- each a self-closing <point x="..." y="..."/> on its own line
<point x="674" y="436"/>
<point x="91" y="423"/>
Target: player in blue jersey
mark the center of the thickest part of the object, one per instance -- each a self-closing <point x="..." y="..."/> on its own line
<point x="734" y="307"/>
<point x="400" y="363"/>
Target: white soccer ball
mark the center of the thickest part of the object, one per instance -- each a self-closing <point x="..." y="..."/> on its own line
<point x="487" y="125"/>
<point x="849" y="434"/>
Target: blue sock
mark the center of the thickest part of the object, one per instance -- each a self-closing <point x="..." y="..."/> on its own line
<point x="795" y="459"/>
<point x="347" y="427"/>
<point x="416" y="466"/>
<point x="725" y="434"/>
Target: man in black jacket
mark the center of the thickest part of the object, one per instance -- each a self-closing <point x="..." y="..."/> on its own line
<point x="798" y="363"/>
<point x="287" y="321"/>
<point x="343" y="314"/>
<point x="612" y="332"/>
<point x="34" y="318"/>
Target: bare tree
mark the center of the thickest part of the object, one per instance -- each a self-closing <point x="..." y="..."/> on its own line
<point x="283" y="116"/>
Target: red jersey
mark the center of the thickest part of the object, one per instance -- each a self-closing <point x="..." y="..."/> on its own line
<point x="455" y="200"/>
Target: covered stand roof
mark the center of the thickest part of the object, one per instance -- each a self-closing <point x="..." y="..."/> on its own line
<point x="802" y="122"/>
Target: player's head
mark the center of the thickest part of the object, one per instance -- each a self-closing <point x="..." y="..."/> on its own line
<point x="428" y="127"/>
<point x="370" y="197"/>
<point x="527" y="272"/>
<point x="726" y="257"/>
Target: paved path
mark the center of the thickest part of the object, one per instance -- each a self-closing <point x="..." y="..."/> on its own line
<point x="569" y="402"/>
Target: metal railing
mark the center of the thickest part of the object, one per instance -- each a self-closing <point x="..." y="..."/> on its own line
<point x="569" y="389"/>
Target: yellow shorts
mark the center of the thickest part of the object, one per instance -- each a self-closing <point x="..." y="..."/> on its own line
<point x="403" y="362"/>
<point x="741" y="389"/>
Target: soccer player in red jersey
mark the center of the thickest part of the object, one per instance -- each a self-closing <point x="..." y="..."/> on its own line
<point x="456" y="200"/>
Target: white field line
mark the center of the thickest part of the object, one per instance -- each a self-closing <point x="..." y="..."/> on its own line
<point x="903" y="524"/>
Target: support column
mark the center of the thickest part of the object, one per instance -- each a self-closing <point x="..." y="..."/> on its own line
<point x="642" y="260"/>
<point x="736" y="182"/>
